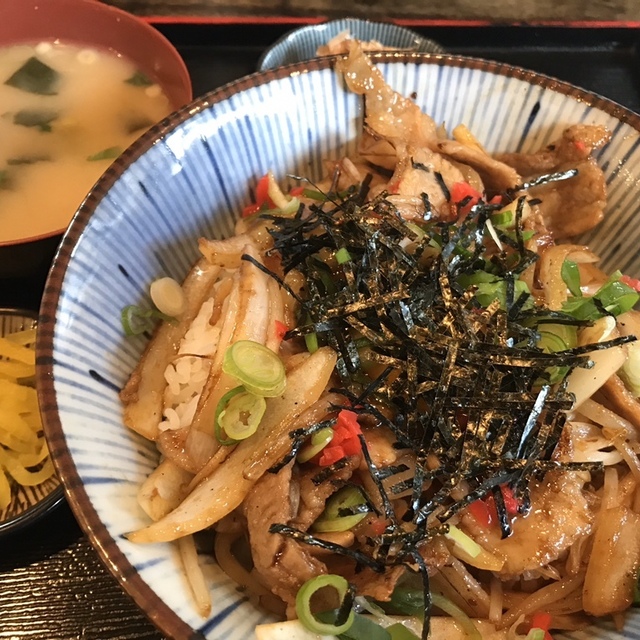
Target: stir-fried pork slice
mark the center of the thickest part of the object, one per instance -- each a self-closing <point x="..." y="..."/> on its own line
<point x="496" y="175"/>
<point x="388" y="114"/>
<point x="612" y="572"/>
<point x="282" y="563"/>
<point x="315" y="490"/>
<point x="559" y="516"/>
<point x="573" y="206"/>
<point x="424" y="172"/>
<point x="378" y="586"/>
<point x="575" y="145"/>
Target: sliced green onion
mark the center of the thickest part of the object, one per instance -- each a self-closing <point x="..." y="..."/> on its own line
<point x="311" y="340"/>
<point x="566" y="334"/>
<point x="551" y="342"/>
<point x="554" y="338"/>
<point x="222" y="404"/>
<point x="343" y="255"/>
<point x="349" y="499"/>
<point x="257" y="367"/>
<point x="407" y="600"/>
<point x="238" y="414"/>
<point x="467" y="280"/>
<point x="630" y="372"/>
<point x="536" y="634"/>
<point x="571" y="276"/>
<point x="462" y="540"/>
<point x="318" y="441"/>
<point x="614" y="296"/>
<point x="363" y="628"/>
<point x="312" y="194"/>
<point x="502" y="218"/>
<point x="398" y="631"/>
<point x="291" y="208"/>
<point x="136" y="320"/>
<point x="303" y="604"/>
<point x="487" y="292"/>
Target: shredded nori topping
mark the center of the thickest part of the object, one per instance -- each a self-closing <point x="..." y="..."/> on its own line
<point x="466" y="385"/>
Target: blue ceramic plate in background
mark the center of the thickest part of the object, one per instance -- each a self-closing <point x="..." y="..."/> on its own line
<point x="190" y="176"/>
<point x="302" y="44"/>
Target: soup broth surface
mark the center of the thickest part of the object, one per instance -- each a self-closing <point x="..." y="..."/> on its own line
<point x="66" y="112"/>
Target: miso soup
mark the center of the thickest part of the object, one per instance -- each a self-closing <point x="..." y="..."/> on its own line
<point x="65" y="113"/>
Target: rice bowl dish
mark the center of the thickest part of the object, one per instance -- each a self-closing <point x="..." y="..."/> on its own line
<point x="534" y="116"/>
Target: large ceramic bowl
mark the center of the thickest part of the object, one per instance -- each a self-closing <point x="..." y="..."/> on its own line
<point x="190" y="177"/>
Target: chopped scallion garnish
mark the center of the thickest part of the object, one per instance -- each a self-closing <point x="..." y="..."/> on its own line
<point x="238" y="415"/>
<point x="311" y="341"/>
<point x="303" y="604"/>
<point x="343" y="255"/>
<point x="571" y="277"/>
<point x="318" y="441"/>
<point x="136" y="320"/>
<point x="502" y="218"/>
<point x="255" y="366"/>
<point x="343" y="510"/>
<point x="613" y="298"/>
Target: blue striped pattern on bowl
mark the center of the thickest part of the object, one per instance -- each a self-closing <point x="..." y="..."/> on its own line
<point x="190" y="176"/>
<point x="302" y="43"/>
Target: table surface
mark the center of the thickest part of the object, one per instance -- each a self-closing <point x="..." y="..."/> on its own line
<point x="52" y="584"/>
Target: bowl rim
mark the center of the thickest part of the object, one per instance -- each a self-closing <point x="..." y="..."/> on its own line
<point x="117" y="15"/>
<point x="159" y="612"/>
<point x="290" y="36"/>
<point x="51" y="500"/>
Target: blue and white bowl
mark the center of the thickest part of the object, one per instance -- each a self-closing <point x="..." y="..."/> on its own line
<point x="190" y="176"/>
<point x="302" y="43"/>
